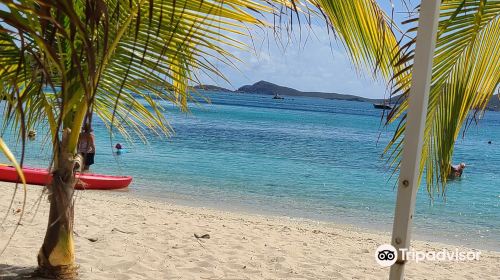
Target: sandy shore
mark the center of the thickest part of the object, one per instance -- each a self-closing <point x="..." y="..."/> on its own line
<point x="139" y="239"/>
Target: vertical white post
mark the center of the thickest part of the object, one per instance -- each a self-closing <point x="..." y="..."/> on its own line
<point x="415" y="124"/>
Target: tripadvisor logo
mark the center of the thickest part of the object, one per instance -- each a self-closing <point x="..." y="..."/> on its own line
<point x="386" y="255"/>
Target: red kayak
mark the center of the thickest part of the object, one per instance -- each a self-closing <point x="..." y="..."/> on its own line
<point x="86" y="181"/>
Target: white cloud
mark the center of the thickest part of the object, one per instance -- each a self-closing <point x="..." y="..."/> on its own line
<point x="317" y="63"/>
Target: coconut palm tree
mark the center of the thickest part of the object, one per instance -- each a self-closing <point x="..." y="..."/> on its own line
<point x="62" y="60"/>
<point x="465" y="74"/>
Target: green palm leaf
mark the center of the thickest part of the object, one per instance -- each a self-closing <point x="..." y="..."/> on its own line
<point x="465" y="74"/>
<point x="128" y="49"/>
<point x="366" y="32"/>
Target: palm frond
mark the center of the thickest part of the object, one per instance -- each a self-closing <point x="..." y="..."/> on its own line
<point x="465" y="74"/>
<point x="366" y="32"/>
<point x="104" y="55"/>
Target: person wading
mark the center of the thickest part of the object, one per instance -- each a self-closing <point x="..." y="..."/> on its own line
<point x="86" y="146"/>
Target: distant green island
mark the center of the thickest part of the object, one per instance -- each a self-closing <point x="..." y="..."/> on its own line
<point x="268" y="88"/>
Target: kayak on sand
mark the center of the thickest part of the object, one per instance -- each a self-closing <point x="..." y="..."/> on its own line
<point x="85" y="181"/>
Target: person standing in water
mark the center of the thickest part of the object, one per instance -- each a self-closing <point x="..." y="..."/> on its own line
<point x="31" y="135"/>
<point x="456" y="171"/>
<point x="86" y="146"/>
<point x="119" y="148"/>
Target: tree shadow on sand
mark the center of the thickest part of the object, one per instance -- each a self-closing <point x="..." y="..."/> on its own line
<point x="10" y="272"/>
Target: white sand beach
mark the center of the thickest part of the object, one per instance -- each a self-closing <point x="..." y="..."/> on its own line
<point x="119" y="236"/>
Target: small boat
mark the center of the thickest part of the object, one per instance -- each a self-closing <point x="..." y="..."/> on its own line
<point x="382" y="106"/>
<point x="85" y="181"/>
<point x="276" y="96"/>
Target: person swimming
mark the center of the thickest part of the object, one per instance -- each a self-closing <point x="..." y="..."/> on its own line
<point x="119" y="148"/>
<point x="31" y="135"/>
<point x="456" y="170"/>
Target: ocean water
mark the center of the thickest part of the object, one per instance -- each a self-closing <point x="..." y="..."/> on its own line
<point x="301" y="157"/>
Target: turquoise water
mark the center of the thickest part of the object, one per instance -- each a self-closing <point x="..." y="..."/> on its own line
<point x="306" y="158"/>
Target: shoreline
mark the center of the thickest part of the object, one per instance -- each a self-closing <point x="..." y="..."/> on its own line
<point x="143" y="239"/>
<point x="351" y="223"/>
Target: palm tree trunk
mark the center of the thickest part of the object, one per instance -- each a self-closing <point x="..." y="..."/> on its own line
<point x="56" y="258"/>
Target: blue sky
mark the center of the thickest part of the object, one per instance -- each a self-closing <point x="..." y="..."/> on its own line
<point x="317" y="64"/>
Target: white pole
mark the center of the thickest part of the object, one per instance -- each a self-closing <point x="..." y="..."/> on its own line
<point x="415" y="124"/>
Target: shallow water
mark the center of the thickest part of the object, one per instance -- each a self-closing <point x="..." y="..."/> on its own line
<point x="303" y="157"/>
